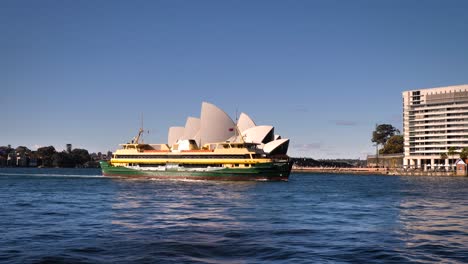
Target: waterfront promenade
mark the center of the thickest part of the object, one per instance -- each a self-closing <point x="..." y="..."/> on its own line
<point x="364" y="171"/>
<point x="373" y="171"/>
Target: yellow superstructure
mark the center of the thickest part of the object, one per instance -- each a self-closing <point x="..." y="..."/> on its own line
<point x="225" y="154"/>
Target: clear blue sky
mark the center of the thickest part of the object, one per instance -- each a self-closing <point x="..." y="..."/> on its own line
<point x="322" y="72"/>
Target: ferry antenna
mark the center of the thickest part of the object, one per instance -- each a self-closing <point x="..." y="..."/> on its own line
<point x="142" y="128"/>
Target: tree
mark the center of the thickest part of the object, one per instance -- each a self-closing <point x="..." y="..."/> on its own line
<point x="443" y="156"/>
<point x="383" y="133"/>
<point x="62" y="160"/>
<point x="452" y="151"/>
<point x="464" y="153"/>
<point x="4" y="150"/>
<point x="80" y="156"/>
<point x="21" y="150"/>
<point x="45" y="154"/>
<point x="393" y="145"/>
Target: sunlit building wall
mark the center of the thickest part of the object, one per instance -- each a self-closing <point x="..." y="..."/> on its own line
<point x="433" y="121"/>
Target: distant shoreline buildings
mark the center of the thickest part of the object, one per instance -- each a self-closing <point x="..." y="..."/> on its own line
<point x="22" y="156"/>
<point x="435" y="120"/>
<point x="435" y="123"/>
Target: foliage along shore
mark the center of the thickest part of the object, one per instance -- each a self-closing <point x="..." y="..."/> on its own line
<point x="49" y="157"/>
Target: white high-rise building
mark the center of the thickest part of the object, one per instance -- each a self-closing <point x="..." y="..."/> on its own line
<point x="433" y="121"/>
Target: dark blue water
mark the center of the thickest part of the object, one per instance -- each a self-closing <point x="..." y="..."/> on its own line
<point x="78" y="216"/>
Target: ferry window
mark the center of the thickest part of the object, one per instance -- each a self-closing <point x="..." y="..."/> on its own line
<point x="236" y="165"/>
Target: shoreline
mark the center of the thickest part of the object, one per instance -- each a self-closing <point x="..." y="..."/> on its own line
<point x="359" y="171"/>
<point x="372" y="171"/>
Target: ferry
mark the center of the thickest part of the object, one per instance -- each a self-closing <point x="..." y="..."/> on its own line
<point x="212" y="147"/>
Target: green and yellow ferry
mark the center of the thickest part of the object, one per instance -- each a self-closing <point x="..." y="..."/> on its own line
<point x="223" y="161"/>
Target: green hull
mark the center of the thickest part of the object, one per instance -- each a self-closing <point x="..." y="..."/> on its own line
<point x="260" y="172"/>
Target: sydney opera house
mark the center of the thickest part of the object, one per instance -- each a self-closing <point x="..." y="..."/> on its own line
<point x="214" y="126"/>
<point x="212" y="147"/>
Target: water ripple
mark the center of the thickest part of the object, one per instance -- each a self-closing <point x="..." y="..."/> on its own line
<point x="72" y="216"/>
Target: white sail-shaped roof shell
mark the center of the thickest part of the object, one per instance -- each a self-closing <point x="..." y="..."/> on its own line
<point x="259" y="134"/>
<point x="197" y="138"/>
<point x="215" y="125"/>
<point x="192" y="127"/>
<point x="245" y="122"/>
<point x="276" y="147"/>
<point x="174" y="134"/>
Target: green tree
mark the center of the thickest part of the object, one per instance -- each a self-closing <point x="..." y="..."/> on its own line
<point x="62" y="159"/>
<point x="4" y="150"/>
<point x="452" y="151"/>
<point x="383" y="133"/>
<point x="443" y="156"/>
<point x="80" y="156"/>
<point x="393" y="145"/>
<point x="464" y="153"/>
<point x="21" y="150"/>
<point x="45" y="154"/>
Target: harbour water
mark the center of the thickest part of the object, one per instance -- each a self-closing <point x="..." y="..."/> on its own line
<point x="78" y="216"/>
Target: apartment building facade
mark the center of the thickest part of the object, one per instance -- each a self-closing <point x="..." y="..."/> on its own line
<point x="434" y="120"/>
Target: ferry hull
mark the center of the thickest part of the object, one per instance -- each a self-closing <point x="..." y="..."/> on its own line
<point x="263" y="172"/>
